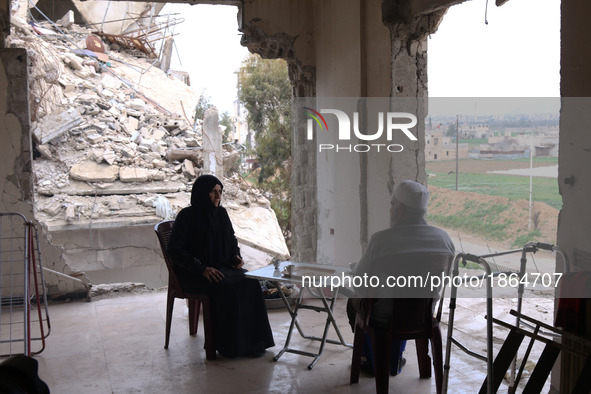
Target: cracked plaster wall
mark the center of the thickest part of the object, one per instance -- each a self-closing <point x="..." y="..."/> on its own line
<point x="15" y="156"/>
<point x="352" y="49"/>
<point x="112" y="248"/>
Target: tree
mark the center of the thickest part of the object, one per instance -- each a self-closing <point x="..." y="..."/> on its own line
<point x="203" y="105"/>
<point x="265" y="90"/>
<point x="451" y="130"/>
<point x="226" y="121"/>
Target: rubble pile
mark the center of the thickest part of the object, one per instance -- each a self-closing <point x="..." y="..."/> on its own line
<point x="112" y="139"/>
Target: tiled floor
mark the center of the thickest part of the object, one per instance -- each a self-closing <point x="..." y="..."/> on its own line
<point x="115" y="345"/>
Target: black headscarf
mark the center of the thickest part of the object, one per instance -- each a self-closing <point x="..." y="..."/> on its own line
<point x="215" y="234"/>
<point x="201" y="189"/>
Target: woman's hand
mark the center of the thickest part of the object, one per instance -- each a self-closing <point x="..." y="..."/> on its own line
<point x="238" y="262"/>
<point x="212" y="275"/>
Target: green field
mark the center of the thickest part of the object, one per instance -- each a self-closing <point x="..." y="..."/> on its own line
<point x="473" y="177"/>
<point x="513" y="187"/>
<point x="540" y="159"/>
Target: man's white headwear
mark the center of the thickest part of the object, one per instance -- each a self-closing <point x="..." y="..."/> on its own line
<point x="412" y="194"/>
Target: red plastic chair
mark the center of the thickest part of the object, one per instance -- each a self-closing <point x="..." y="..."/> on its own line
<point x="163" y="231"/>
<point x="412" y="319"/>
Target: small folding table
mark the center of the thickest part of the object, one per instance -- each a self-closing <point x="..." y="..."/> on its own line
<point x="294" y="273"/>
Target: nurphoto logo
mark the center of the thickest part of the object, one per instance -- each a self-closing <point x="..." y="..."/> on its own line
<point x="390" y="122"/>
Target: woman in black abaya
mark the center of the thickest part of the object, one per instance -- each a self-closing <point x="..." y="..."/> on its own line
<point x="206" y="259"/>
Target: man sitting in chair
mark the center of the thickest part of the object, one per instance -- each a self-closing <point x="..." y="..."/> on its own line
<point x="408" y="233"/>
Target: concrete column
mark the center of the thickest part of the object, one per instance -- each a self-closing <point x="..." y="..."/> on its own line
<point x="574" y="180"/>
<point x="213" y="160"/>
<point x="15" y="139"/>
<point x="409" y="80"/>
<point x="166" y="54"/>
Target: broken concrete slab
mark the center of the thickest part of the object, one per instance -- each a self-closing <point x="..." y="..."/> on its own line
<point x="45" y="151"/>
<point x="56" y="124"/>
<point x="133" y="174"/>
<point x="94" y="138"/>
<point x="73" y="61"/>
<point x="109" y="156"/>
<point x="189" y="169"/>
<point x="131" y="124"/>
<point x="70" y="213"/>
<point x="257" y="227"/>
<point x="76" y="188"/>
<point x="137" y="104"/>
<point x="90" y="171"/>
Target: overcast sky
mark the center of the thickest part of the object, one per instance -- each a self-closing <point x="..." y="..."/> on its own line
<point x="516" y="55"/>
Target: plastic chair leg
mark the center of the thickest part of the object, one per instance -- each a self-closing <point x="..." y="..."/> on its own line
<point x="194" y="307"/>
<point x="437" y="351"/>
<point x="424" y="361"/>
<point x="382" y="343"/>
<point x="356" y="357"/>
<point x="169" y="307"/>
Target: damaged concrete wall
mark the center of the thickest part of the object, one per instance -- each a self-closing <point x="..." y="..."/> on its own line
<point x="353" y="54"/>
<point x="285" y="29"/>
<point x="16" y="169"/>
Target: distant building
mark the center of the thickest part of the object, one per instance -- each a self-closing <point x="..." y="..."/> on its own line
<point x="474" y="131"/>
<point x="241" y="133"/>
<point x="439" y="147"/>
<point x="545" y="141"/>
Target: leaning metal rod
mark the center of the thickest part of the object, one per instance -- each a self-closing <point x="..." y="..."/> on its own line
<point x="32" y="266"/>
<point x="489" y="311"/>
<point x="40" y="266"/>
<point x="27" y="318"/>
<point x="452" y="309"/>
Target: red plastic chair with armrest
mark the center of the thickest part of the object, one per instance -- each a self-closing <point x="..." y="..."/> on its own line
<point x="163" y="231"/>
<point x="413" y="318"/>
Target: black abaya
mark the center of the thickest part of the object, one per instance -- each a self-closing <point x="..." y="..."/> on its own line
<point x="202" y="237"/>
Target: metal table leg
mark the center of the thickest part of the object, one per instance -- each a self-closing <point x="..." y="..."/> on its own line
<point x="328" y="309"/>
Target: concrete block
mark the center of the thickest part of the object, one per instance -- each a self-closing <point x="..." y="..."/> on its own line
<point x="70" y="213"/>
<point x="53" y="208"/>
<point x="190" y="142"/>
<point x="106" y="93"/>
<point x="147" y="143"/>
<point x="157" y="163"/>
<point x="96" y="155"/>
<point x="109" y="156"/>
<point x="67" y="20"/>
<point x="145" y="132"/>
<point x="89" y="171"/>
<point x="131" y="124"/>
<point x="45" y="151"/>
<point x="84" y="73"/>
<point x="94" y="138"/>
<point x="171" y="124"/>
<point x="128" y="152"/>
<point x="156" y="175"/>
<point x="110" y="82"/>
<point x="130" y="174"/>
<point x="137" y="104"/>
<point x="159" y="134"/>
<point x="73" y="61"/>
<point x="189" y="168"/>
